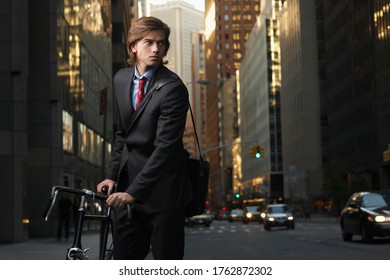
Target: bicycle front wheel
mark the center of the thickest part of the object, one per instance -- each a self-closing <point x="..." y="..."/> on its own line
<point x="77" y="256"/>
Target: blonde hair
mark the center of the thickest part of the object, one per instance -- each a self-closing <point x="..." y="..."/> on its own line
<point x="140" y="28"/>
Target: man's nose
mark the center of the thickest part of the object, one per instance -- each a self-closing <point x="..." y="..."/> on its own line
<point x="155" y="47"/>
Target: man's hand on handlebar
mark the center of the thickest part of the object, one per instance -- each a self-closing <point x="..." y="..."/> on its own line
<point x="106" y="183"/>
<point x="118" y="199"/>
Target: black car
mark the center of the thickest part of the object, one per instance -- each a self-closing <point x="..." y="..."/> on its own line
<point x="278" y="215"/>
<point x="366" y="214"/>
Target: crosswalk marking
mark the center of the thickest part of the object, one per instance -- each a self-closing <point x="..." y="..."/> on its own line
<point x="218" y="228"/>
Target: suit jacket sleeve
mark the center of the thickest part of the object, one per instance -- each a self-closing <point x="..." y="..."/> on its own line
<point x="116" y="154"/>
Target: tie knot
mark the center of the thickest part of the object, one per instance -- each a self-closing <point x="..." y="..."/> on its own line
<point x="142" y="82"/>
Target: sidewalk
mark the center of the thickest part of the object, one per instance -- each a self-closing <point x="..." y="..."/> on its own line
<point x="48" y="248"/>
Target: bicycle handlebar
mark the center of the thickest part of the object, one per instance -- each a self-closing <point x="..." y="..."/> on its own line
<point x="83" y="192"/>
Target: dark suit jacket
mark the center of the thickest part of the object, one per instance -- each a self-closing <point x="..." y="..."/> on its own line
<point x="150" y="142"/>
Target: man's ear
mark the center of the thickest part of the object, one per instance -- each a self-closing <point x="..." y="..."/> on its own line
<point x="133" y="48"/>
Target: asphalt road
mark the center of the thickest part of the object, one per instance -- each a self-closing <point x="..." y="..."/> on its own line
<point x="310" y="240"/>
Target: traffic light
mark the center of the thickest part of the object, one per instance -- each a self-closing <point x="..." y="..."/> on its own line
<point x="238" y="195"/>
<point x="257" y="151"/>
<point x="253" y="151"/>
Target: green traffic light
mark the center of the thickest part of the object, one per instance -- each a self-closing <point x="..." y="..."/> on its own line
<point x="258" y="155"/>
<point x="237" y="195"/>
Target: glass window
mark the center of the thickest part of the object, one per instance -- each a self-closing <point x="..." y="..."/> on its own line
<point x="83" y="141"/>
<point x="373" y="200"/>
<point x="90" y="146"/>
<point x="67" y="132"/>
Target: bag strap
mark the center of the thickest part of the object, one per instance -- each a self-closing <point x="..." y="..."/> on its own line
<point x="196" y="134"/>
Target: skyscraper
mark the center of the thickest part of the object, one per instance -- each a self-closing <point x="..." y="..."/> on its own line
<point x="234" y="22"/>
<point x="358" y="93"/>
<point x="227" y="28"/>
<point x="300" y="101"/>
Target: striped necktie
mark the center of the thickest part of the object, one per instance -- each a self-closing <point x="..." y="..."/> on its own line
<point x="141" y="92"/>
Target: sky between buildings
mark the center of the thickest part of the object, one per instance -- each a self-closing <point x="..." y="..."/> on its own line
<point x="199" y="4"/>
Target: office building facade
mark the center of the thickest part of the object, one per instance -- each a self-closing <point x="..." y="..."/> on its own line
<point x="358" y="91"/>
<point x="300" y="102"/>
<point x="57" y="78"/>
<point x="260" y="114"/>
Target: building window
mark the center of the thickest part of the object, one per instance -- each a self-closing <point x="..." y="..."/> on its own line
<point x="67" y="132"/>
<point x="90" y="146"/>
<point x="83" y="141"/>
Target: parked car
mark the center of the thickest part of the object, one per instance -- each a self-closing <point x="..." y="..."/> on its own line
<point x="251" y="214"/>
<point x="278" y="215"/>
<point x="366" y="214"/>
<point x="236" y="215"/>
<point x="202" y="219"/>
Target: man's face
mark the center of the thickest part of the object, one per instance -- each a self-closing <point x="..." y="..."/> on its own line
<point x="149" y="51"/>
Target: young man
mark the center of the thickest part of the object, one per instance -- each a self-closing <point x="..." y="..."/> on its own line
<point x="147" y="164"/>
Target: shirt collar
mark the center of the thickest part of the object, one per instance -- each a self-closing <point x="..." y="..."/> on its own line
<point x="148" y="75"/>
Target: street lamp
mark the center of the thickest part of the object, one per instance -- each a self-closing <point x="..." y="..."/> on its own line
<point x="203" y="82"/>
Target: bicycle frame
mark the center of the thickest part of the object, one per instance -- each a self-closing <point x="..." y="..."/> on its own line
<point x="76" y="252"/>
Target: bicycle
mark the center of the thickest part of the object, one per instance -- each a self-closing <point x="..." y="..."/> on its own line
<point x="76" y="252"/>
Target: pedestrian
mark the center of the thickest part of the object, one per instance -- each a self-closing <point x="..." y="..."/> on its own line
<point x="147" y="164"/>
<point x="64" y="214"/>
<point x="75" y="213"/>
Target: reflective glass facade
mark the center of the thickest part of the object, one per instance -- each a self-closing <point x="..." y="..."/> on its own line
<point x="357" y="44"/>
<point x="381" y="19"/>
<point x="84" y="84"/>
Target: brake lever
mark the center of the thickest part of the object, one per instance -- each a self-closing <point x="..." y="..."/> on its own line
<point x="50" y="205"/>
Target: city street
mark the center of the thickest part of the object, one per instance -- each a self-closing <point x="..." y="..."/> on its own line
<point x="316" y="239"/>
<point x="310" y="240"/>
